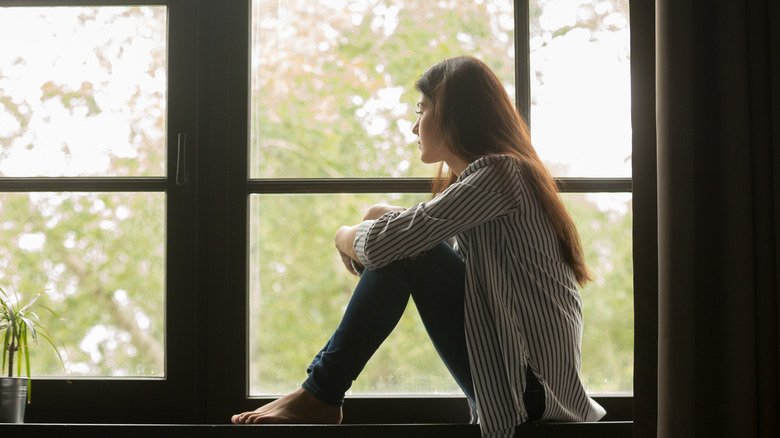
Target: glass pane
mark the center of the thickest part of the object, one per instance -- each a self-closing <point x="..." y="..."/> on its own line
<point x="333" y="80"/>
<point x="82" y="91"/>
<point x="604" y="221"/>
<point x="580" y="86"/>
<point x="299" y="290"/>
<point x="101" y="257"/>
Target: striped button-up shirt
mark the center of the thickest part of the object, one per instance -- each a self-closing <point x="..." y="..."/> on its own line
<point x="522" y="305"/>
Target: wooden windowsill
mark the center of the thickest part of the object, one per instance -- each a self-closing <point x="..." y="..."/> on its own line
<point x="609" y="429"/>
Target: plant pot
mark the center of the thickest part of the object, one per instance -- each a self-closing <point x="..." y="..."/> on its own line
<point x="13" y="399"/>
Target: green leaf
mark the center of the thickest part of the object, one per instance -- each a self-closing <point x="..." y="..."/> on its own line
<point x="32" y="301"/>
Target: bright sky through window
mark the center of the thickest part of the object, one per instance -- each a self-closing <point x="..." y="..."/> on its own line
<point x="83" y="88"/>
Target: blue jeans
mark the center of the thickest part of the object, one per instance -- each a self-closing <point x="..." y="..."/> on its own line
<point x="436" y="282"/>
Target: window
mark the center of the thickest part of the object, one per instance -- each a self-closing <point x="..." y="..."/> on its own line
<point x="173" y="173"/>
<point x="92" y="102"/>
<point x="96" y="111"/>
<point x="331" y="114"/>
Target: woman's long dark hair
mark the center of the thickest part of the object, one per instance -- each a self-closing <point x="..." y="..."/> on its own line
<point x="478" y="118"/>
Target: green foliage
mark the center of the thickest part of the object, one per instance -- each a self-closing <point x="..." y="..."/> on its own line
<point x="17" y="327"/>
<point x="608" y="310"/>
<point x="20" y="328"/>
<point x="102" y="256"/>
<point x="314" y="121"/>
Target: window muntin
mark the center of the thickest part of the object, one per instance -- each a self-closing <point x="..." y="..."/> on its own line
<point x="83" y="93"/>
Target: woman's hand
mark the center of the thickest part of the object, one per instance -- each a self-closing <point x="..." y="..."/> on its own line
<point x="377" y="210"/>
<point x="345" y="236"/>
<point x="354" y="267"/>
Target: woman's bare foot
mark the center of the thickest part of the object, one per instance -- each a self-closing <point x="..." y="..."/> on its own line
<point x="297" y="407"/>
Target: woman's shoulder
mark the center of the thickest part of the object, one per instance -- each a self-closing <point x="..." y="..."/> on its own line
<point x="498" y="174"/>
<point x="490" y="163"/>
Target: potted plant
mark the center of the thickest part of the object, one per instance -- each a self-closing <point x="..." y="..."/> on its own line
<point x="18" y="327"/>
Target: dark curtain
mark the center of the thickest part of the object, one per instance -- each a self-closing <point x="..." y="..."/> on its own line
<point x="718" y="152"/>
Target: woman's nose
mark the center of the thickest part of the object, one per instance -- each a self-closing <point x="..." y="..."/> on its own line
<point x="416" y="127"/>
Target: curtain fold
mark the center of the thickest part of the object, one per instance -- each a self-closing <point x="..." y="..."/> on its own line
<point x="718" y="129"/>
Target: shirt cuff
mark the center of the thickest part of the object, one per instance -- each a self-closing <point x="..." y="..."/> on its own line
<point x="359" y="244"/>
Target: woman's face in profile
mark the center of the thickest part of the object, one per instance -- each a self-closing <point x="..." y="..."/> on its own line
<point x="430" y="137"/>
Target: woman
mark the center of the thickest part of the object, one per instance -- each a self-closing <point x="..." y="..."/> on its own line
<point x="501" y="304"/>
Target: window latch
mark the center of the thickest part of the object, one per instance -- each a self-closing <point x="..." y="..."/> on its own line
<point x="182" y="179"/>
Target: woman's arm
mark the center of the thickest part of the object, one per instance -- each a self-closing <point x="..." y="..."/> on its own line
<point x="345" y="236"/>
<point x="378" y="210"/>
<point x="482" y="194"/>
